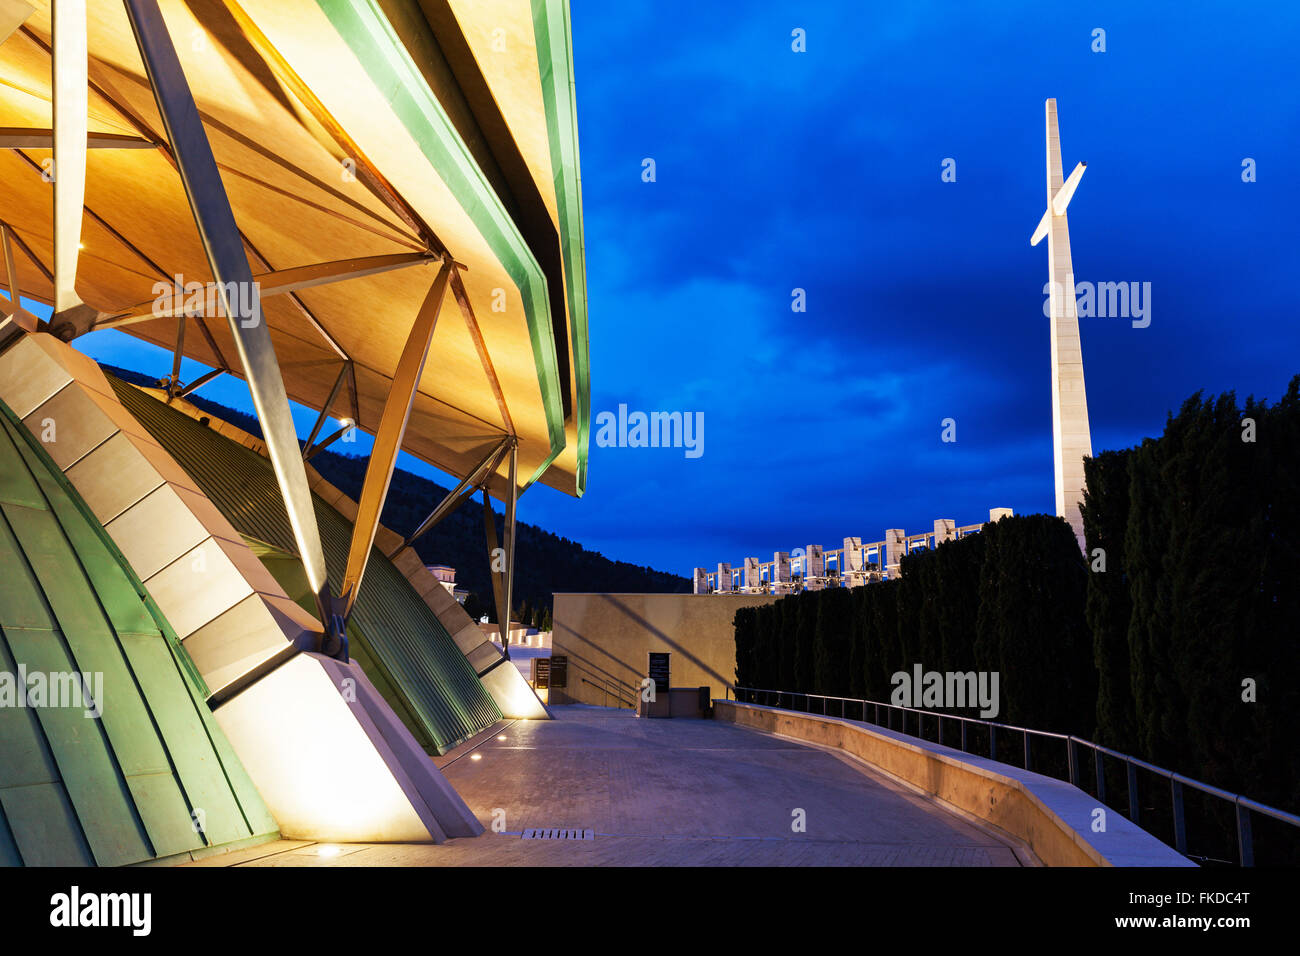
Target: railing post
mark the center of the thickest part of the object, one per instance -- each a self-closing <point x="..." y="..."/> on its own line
<point x="1134" y="811"/>
<point x="1099" y="761"/>
<point x="1245" y="841"/>
<point x="1026" y="749"/>
<point x="964" y="722"/>
<point x="993" y="742"/>
<point x="1180" y="823"/>
<point x="1072" y="758"/>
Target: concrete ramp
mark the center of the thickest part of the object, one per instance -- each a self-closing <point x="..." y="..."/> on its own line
<point x="1051" y="817"/>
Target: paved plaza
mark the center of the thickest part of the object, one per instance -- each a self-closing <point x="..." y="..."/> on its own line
<point x="667" y="792"/>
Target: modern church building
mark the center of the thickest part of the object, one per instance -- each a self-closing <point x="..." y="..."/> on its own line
<point x="370" y="209"/>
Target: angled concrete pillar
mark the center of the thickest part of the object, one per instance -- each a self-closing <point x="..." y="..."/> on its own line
<point x="724" y="577"/>
<point x="996" y="514"/>
<point x="753" y="576"/>
<point x="701" y="581"/>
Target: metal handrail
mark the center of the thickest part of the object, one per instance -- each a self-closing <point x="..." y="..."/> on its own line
<point x="604" y="688"/>
<point x="1244" y="806"/>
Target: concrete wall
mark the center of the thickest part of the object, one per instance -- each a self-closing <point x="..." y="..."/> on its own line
<point x="1054" y="819"/>
<point x="611" y="635"/>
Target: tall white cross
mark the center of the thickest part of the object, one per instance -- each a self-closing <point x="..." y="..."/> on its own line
<point x="1071" y="439"/>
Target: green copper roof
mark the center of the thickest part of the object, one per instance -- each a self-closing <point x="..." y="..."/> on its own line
<point x="152" y="776"/>
<point x="399" y="641"/>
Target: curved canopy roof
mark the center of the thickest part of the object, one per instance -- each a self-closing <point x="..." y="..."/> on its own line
<point x="343" y="130"/>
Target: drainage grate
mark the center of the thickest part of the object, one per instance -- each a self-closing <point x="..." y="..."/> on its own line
<point x="557" y="833"/>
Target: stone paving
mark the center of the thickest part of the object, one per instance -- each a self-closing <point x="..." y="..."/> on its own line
<point x="674" y="792"/>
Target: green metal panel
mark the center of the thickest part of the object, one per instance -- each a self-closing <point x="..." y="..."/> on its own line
<point x="85" y="759"/>
<point x="120" y="787"/>
<point x="9" y="855"/>
<point x="45" y="826"/>
<point x="555" y="64"/>
<point x="400" y="643"/>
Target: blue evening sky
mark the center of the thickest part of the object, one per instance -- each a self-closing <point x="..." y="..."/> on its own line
<point x="821" y="170"/>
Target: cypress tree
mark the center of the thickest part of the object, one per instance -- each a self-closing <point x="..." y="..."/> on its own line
<point x="958" y="566"/>
<point x="1108" y="607"/>
<point x="1032" y="622"/>
<point x="891" y="656"/>
<point x="744" y="625"/>
<point x="907" y="613"/>
<point x="834" y="624"/>
<point x="786" y="622"/>
<point x="764" y="670"/>
<point x="858" y="642"/>
<point x="804" y="608"/>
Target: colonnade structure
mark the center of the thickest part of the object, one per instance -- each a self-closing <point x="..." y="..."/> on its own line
<point x="814" y="568"/>
<point x="370" y="209"/>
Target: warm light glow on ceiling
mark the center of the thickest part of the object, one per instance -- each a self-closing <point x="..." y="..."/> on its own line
<point x="329" y="851"/>
<point x="475" y="756"/>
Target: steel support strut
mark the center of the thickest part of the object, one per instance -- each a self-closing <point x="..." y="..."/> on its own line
<point x="458" y="495"/>
<point x="325" y="410"/>
<point x="503" y="580"/>
<point x="388" y="437"/>
<point x="231" y="273"/>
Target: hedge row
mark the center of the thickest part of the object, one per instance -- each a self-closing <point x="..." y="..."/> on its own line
<point x="1010" y="600"/>
<point x="1176" y="638"/>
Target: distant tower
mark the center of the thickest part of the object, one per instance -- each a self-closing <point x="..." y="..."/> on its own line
<point x="1071" y="439"/>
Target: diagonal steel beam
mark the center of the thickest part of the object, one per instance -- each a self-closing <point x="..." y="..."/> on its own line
<point x="32" y="257"/>
<point x="367" y="173"/>
<point x="200" y="381"/>
<point x="503" y="580"/>
<point x="471" y="323"/>
<point x="458" y="495"/>
<point x="212" y="344"/>
<point x="17" y="137"/>
<point x="279" y="282"/>
<point x="320" y="446"/>
<point x="323" y="273"/>
<point x="174" y="385"/>
<point x="325" y="410"/>
<point x="509" y="541"/>
<point x="388" y="437"/>
<point x="494" y="575"/>
<point x="14" y="314"/>
<point x="225" y="253"/>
